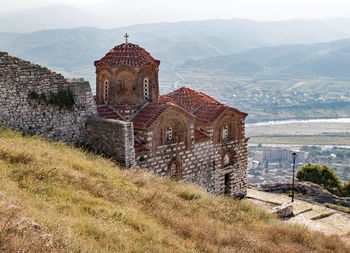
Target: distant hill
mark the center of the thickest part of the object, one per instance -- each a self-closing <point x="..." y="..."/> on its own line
<point x="172" y="43"/>
<point x="320" y="60"/>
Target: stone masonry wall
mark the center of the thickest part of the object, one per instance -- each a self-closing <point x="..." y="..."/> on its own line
<point x="112" y="137"/>
<point x="201" y="163"/>
<point x="18" y="78"/>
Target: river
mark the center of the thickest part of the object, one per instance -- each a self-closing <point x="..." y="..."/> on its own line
<point x="338" y="126"/>
<point x="281" y="122"/>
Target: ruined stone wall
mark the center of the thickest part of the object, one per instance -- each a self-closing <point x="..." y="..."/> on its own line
<point x="201" y="163"/>
<point x="112" y="137"/>
<point x="18" y="78"/>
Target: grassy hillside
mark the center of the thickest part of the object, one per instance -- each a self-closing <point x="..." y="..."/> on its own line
<point x="88" y="204"/>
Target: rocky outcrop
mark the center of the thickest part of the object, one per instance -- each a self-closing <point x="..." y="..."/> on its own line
<point x="284" y="211"/>
<point x="310" y="192"/>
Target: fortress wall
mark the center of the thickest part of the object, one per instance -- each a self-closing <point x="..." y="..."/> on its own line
<point x="19" y="78"/>
<point x="112" y="137"/>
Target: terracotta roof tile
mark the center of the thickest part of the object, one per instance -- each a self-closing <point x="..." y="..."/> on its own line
<point x="205" y="108"/>
<point x="190" y="100"/>
<point x="209" y="113"/>
<point x="106" y="112"/>
<point x="166" y="99"/>
<point x="127" y="54"/>
<point x="149" y="114"/>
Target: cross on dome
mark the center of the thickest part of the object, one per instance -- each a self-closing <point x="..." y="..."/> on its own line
<point x="126" y="36"/>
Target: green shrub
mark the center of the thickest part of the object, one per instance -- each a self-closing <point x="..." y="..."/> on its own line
<point x="321" y="175"/>
<point x="345" y="190"/>
<point x="321" y="216"/>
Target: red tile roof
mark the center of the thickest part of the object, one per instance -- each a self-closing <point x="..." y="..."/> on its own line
<point x="166" y="99"/>
<point x="205" y="108"/>
<point x="209" y="113"/>
<point x="199" y="136"/>
<point x="127" y="54"/>
<point x="106" y="112"/>
<point x="148" y="115"/>
<point x="190" y="99"/>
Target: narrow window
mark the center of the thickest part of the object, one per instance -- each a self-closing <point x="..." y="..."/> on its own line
<point x="169" y="134"/>
<point x="106" y="91"/>
<point x="225" y="131"/>
<point x="146" y="89"/>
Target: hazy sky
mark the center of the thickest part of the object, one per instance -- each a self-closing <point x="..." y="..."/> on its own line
<point x="140" y="11"/>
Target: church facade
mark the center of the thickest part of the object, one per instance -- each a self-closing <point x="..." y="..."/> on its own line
<point x="184" y="134"/>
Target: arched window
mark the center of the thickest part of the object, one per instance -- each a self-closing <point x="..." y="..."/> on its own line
<point x="225" y="131"/>
<point x="146" y="89"/>
<point x="105" y="95"/>
<point x="172" y="132"/>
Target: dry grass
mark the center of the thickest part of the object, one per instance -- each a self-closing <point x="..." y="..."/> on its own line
<point x="88" y="204"/>
<point x="19" y="234"/>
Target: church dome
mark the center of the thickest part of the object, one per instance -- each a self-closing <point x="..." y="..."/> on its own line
<point x="127" y="54"/>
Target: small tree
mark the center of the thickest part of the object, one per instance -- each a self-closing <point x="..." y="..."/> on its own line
<point x="345" y="191"/>
<point x="321" y="175"/>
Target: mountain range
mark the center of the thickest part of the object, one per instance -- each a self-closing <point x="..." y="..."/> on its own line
<point x="320" y="60"/>
<point x="234" y="46"/>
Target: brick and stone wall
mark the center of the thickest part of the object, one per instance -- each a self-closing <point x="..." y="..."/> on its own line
<point x="202" y="163"/>
<point x="112" y="137"/>
<point x="18" y="78"/>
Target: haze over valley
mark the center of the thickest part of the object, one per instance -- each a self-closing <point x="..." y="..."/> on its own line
<point x="272" y="70"/>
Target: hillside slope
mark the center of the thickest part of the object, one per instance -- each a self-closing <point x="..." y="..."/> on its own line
<point x="87" y="204"/>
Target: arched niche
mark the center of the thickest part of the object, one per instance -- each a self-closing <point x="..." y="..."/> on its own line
<point x="171" y="131"/>
<point x="125" y="86"/>
<point x="228" y="127"/>
<point x="228" y="158"/>
<point x="180" y="123"/>
<point x="103" y="87"/>
<point x="174" y="169"/>
<point x="146" y="83"/>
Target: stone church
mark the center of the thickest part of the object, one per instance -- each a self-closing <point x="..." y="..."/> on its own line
<point x="184" y="134"/>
